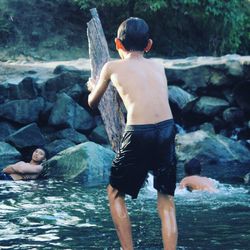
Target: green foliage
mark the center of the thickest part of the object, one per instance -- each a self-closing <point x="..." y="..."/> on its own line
<point x="206" y="26"/>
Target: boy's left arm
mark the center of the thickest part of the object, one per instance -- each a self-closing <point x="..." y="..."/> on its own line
<point x="100" y="88"/>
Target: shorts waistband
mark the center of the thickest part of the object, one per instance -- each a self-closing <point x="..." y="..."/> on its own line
<point x="140" y="127"/>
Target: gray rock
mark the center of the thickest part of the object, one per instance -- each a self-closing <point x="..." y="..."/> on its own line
<point x="99" y="135"/>
<point x="207" y="127"/>
<point x="233" y="115"/>
<point x="235" y="68"/>
<point x="247" y="178"/>
<point x="241" y="95"/>
<point x="210" y="106"/>
<point x="8" y="155"/>
<point x="87" y="162"/>
<point x="189" y="78"/>
<point x="181" y="98"/>
<point x="76" y="91"/>
<point x="62" y="81"/>
<point x="22" y="111"/>
<point x="63" y="68"/>
<point x="26" y="89"/>
<point x="57" y="146"/>
<point x="221" y="157"/>
<point x="72" y="135"/>
<point x="5" y="130"/>
<point x="28" y="136"/>
<point x="219" y="79"/>
<point x="68" y="114"/>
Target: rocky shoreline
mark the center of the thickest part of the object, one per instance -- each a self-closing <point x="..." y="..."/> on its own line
<point x="45" y="104"/>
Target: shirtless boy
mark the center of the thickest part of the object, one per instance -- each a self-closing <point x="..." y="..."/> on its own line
<point x="193" y="180"/>
<point x="148" y="139"/>
<point x="23" y="170"/>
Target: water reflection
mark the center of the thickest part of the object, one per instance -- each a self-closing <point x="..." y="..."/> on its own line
<point x="57" y="215"/>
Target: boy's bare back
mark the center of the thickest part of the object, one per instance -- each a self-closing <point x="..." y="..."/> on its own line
<point x="142" y="85"/>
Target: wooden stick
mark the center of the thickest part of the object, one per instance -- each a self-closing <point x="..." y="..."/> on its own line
<point x="110" y="105"/>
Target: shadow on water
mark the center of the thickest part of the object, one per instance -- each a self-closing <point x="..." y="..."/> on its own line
<point x="53" y="214"/>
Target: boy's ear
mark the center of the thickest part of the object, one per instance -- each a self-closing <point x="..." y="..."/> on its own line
<point x="118" y="44"/>
<point x="149" y="45"/>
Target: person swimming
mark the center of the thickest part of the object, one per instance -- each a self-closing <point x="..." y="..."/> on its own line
<point x="23" y="170"/>
<point x="193" y="180"/>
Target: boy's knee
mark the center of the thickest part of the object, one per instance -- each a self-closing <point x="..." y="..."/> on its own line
<point x="114" y="193"/>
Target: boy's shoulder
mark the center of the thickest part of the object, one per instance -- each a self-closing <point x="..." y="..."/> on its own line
<point x="121" y="62"/>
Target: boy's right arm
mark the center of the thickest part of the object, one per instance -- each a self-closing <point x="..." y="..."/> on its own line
<point x="101" y="86"/>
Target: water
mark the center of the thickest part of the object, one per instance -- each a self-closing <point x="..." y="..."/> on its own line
<point x="53" y="214"/>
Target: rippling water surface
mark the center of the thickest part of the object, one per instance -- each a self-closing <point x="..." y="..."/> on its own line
<point x="64" y="215"/>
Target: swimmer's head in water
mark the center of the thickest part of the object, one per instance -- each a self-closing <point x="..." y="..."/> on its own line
<point x="39" y="155"/>
<point x="133" y="33"/>
<point x="192" y="167"/>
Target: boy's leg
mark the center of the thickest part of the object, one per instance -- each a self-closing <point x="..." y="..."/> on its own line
<point x="166" y="210"/>
<point x="120" y="218"/>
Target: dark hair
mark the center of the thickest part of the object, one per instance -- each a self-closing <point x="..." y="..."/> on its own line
<point x="134" y="34"/>
<point x="193" y="167"/>
<point x="46" y="154"/>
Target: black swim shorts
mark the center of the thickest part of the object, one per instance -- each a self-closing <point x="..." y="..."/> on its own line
<point x="5" y="177"/>
<point x="145" y="148"/>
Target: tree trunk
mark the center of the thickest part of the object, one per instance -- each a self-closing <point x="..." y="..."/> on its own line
<point x="110" y="105"/>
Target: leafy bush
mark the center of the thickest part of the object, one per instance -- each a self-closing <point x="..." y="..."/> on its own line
<point x="183" y="26"/>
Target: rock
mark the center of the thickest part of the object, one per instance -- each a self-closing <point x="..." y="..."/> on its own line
<point x="22" y="111"/>
<point x="8" y="155"/>
<point x="181" y="98"/>
<point x="221" y="158"/>
<point x="87" y="162"/>
<point x="228" y="95"/>
<point x="233" y="115"/>
<point x="247" y="178"/>
<point x="66" y="113"/>
<point x="62" y="81"/>
<point x="219" y="79"/>
<point x="76" y="92"/>
<point x="210" y="106"/>
<point x="190" y="78"/>
<point x="72" y="135"/>
<point x="27" y="88"/>
<point x="208" y="127"/>
<point x="63" y="68"/>
<point x="235" y="68"/>
<point x="57" y="146"/>
<point x="241" y="95"/>
<point x="99" y="135"/>
<point x="5" y="130"/>
<point x="28" y="136"/>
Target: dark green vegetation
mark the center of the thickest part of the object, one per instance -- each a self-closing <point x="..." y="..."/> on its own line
<point x="179" y="27"/>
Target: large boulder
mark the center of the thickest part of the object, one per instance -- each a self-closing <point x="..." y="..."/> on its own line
<point x="26" y="89"/>
<point x="57" y="146"/>
<point x="99" y="135"/>
<point x="28" y="136"/>
<point x="6" y="129"/>
<point x="22" y="111"/>
<point x="59" y="82"/>
<point x="180" y="98"/>
<point x="221" y="157"/>
<point x="66" y="113"/>
<point x="72" y="135"/>
<point x="8" y="155"/>
<point x="241" y="95"/>
<point x="87" y="162"/>
<point x="233" y="115"/>
<point x="210" y="106"/>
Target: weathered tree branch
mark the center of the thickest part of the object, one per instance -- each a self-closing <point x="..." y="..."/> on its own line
<point x="110" y="105"/>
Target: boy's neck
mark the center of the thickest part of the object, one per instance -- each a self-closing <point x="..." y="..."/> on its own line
<point x="133" y="55"/>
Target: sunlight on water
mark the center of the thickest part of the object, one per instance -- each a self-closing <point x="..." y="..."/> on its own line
<point x="64" y="215"/>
